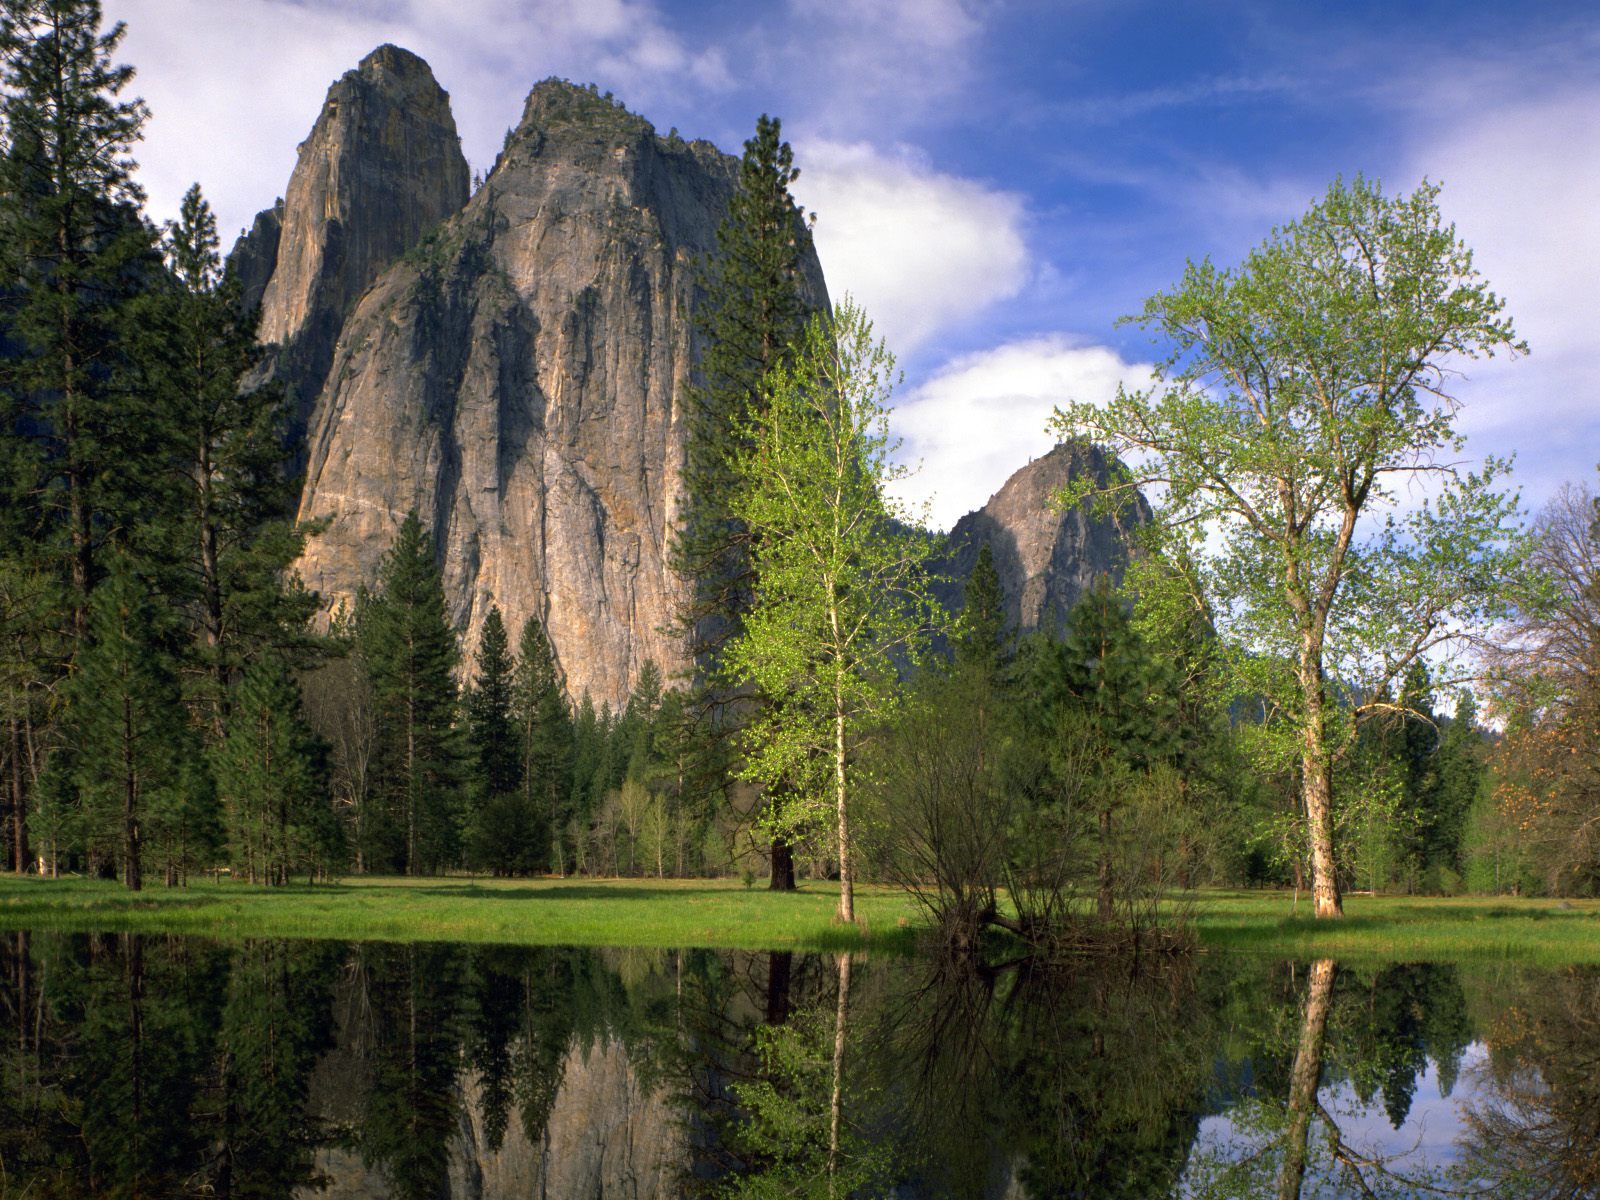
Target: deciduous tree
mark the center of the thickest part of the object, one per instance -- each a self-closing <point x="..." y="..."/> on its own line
<point x="842" y="600"/>
<point x="1305" y="445"/>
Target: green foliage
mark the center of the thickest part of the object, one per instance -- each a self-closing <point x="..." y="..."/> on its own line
<point x="981" y="635"/>
<point x="842" y="602"/>
<point x="272" y="775"/>
<point x="752" y="312"/>
<point x="1299" y="396"/>
<point x="410" y="649"/>
<point x="219" y="512"/>
<point x="74" y="252"/>
<point x="130" y="739"/>
<point x="504" y="828"/>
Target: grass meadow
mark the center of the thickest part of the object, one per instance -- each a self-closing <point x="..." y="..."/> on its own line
<point x="725" y="914"/>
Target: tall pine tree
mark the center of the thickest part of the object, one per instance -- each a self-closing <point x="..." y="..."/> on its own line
<point x="74" y="250"/>
<point x="224" y="523"/>
<point x="502" y="829"/>
<point x="127" y="724"/>
<point x="753" y="310"/>
<point x="273" y="779"/>
<point x="411" y="651"/>
<point x="544" y="725"/>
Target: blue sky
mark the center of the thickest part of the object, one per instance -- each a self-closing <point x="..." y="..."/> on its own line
<point x="998" y="182"/>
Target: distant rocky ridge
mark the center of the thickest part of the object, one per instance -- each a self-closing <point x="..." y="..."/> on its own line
<point x="1046" y="559"/>
<point x="512" y="365"/>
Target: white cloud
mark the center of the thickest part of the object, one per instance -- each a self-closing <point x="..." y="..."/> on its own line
<point x="920" y="250"/>
<point x="877" y="64"/>
<point x="1522" y="183"/>
<point x="983" y="416"/>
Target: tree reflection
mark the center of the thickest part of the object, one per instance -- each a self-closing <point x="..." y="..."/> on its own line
<point x="1535" y="1134"/>
<point x="1374" y="1034"/>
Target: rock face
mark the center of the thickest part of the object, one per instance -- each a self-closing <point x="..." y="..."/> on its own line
<point x="608" y="1135"/>
<point x="518" y="379"/>
<point x="383" y="165"/>
<point x="1046" y="560"/>
<point x="512" y="366"/>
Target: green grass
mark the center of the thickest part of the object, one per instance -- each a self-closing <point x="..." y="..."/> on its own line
<point x="1403" y="928"/>
<point x="539" y="912"/>
<point x="724" y="914"/>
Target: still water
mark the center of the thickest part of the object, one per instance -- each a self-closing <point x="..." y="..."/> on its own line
<point x="167" y="1066"/>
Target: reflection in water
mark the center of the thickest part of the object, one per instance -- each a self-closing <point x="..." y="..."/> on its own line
<point x="164" y="1066"/>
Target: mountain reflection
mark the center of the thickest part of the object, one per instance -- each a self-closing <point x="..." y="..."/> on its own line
<point x="166" y="1066"/>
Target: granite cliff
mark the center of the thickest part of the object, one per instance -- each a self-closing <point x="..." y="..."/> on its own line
<point x="1046" y="559"/>
<point x="512" y="366"/>
<point x="382" y="166"/>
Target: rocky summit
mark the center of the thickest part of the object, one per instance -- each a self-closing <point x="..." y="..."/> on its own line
<point x="512" y="365"/>
<point x="1046" y="559"/>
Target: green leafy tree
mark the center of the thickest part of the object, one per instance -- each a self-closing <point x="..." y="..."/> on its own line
<point x="842" y="600"/>
<point x="754" y="308"/>
<point x="505" y="826"/>
<point x="411" y="651"/>
<point x="271" y="771"/>
<point x="1301" y="395"/>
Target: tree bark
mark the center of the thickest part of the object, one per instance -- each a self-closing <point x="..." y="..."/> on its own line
<point x="782" y="876"/>
<point x="21" y="859"/>
<point x="847" y="891"/>
<point x="1306" y="1076"/>
<point x="836" y="1103"/>
<point x="1317" y="782"/>
<point x="131" y="874"/>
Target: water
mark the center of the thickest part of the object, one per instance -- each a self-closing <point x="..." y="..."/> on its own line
<point x="167" y="1066"/>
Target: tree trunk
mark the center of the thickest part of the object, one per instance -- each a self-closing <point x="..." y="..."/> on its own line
<point x="21" y="859"/>
<point x="780" y="969"/>
<point x="782" y="877"/>
<point x="1105" y="893"/>
<point x="1306" y="1077"/>
<point x="1317" y="781"/>
<point x="836" y="1105"/>
<point x="847" y="892"/>
<point x="411" y="788"/>
<point x="131" y="873"/>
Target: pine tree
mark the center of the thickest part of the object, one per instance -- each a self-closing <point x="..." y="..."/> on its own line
<point x="1104" y="673"/>
<point x="981" y="634"/>
<point x="502" y="829"/>
<point x="411" y="651"/>
<point x="588" y="747"/>
<point x="272" y="775"/>
<point x="637" y="732"/>
<point x="546" y="736"/>
<point x="74" y="249"/>
<point x="754" y="308"/>
<point x="225" y="521"/>
<point x="126" y="723"/>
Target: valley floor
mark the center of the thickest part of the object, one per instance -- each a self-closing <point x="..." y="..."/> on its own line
<point x="725" y="914"/>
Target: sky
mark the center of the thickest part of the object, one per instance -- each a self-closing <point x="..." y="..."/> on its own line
<point x="998" y="182"/>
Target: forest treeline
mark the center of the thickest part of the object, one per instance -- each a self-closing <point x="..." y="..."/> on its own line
<point x="170" y="707"/>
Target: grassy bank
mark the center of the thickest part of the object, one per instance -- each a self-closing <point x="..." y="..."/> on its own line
<point x="539" y="912"/>
<point x="1404" y="928"/>
<point x="723" y="913"/>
